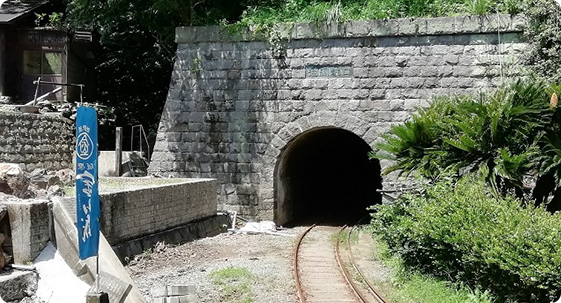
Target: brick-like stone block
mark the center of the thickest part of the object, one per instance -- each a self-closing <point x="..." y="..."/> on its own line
<point x="36" y="141"/>
<point x="29" y="222"/>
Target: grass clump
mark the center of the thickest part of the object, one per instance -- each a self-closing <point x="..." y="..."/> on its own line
<point x="270" y="12"/>
<point x="234" y="284"/>
<point x="461" y="233"/>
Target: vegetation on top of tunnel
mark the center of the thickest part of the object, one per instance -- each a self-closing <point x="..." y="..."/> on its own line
<point x="271" y="12"/>
<point x="136" y="38"/>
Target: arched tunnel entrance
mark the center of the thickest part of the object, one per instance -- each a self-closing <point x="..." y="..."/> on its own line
<point x="325" y="173"/>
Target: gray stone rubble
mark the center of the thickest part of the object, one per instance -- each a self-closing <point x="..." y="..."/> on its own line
<point x="40" y="183"/>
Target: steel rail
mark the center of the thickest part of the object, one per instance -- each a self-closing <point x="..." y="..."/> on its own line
<point x="369" y="285"/>
<point x="344" y="270"/>
<point x="301" y="295"/>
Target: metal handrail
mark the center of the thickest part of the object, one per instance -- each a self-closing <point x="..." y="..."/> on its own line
<point x="39" y="83"/>
<point x="141" y="135"/>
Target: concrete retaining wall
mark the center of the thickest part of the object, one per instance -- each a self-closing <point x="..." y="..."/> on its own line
<point x="36" y="141"/>
<point x="131" y="214"/>
<point x="235" y="101"/>
<point x="30" y="227"/>
<point x="207" y="227"/>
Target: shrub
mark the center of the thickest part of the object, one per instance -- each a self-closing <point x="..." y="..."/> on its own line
<point x="512" y="133"/>
<point x="460" y="232"/>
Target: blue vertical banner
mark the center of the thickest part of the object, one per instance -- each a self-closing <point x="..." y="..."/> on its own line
<point x="87" y="196"/>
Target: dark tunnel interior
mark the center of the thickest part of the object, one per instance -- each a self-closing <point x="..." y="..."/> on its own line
<point x="325" y="174"/>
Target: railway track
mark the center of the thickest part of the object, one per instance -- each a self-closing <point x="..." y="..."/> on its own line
<point x="323" y="272"/>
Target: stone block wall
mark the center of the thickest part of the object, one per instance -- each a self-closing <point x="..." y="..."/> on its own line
<point x="235" y="101"/>
<point x="132" y="214"/>
<point x="36" y="141"/>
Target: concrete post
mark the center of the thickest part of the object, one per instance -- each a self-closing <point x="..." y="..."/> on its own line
<point x="2" y="58"/>
<point x="118" y="150"/>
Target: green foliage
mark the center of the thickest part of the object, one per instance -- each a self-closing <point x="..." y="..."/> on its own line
<point x="404" y="285"/>
<point x="511" y="134"/>
<point x="269" y="12"/>
<point x="135" y="58"/>
<point x="234" y="283"/>
<point x="424" y="289"/>
<point x="55" y="20"/>
<point x="543" y="32"/>
<point x="458" y="231"/>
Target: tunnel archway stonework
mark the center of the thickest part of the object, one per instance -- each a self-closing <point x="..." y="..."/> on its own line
<point x="352" y="122"/>
<point x="235" y="102"/>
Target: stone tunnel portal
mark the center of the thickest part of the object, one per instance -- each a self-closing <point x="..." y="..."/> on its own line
<point x="325" y="173"/>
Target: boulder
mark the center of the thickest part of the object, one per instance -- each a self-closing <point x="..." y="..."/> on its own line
<point x="66" y="176"/>
<point x="44" y="181"/>
<point x="54" y="191"/>
<point x="12" y="176"/>
<point x="5" y="187"/>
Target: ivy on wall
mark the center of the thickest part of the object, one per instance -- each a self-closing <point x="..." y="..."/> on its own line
<point x="543" y="32"/>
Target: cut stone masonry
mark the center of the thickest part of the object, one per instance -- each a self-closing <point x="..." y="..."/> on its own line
<point x="235" y="102"/>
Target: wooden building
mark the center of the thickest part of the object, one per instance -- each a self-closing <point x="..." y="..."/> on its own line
<point x="29" y="51"/>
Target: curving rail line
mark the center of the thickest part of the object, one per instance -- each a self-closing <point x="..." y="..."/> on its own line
<point x="354" y="293"/>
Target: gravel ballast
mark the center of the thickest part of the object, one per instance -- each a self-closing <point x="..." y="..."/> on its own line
<point x="267" y="257"/>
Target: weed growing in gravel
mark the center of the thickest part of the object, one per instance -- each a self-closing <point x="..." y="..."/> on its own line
<point x="234" y="284"/>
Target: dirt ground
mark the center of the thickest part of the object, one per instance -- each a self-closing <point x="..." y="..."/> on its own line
<point x="268" y="259"/>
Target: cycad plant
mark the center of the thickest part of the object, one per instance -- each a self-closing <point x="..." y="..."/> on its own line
<point x="512" y="134"/>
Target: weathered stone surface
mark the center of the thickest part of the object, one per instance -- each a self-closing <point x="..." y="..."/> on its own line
<point x="66" y="176"/>
<point x="29" y="222"/>
<point x="3" y="256"/>
<point x="66" y="235"/>
<point x="17" y="285"/>
<point x="3" y="211"/>
<point x="98" y="298"/>
<point x="36" y="141"/>
<point x="199" y="229"/>
<point x="41" y="179"/>
<point x="14" y="178"/>
<point x="115" y="289"/>
<point x="38" y="184"/>
<point x="54" y="191"/>
<point x="175" y="294"/>
<point x="232" y="119"/>
<point x="4" y="234"/>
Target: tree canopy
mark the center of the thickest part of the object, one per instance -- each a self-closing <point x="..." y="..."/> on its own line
<point x="136" y="38"/>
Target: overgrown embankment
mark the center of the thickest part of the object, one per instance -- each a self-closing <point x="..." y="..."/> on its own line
<point x="460" y="232"/>
<point x="487" y="217"/>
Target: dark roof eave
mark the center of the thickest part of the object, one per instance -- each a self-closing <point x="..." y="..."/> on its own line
<point x="13" y="17"/>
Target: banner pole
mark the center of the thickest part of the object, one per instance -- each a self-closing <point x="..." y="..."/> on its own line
<point x="97" y="290"/>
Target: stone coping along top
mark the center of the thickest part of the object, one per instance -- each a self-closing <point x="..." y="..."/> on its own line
<point x="358" y="29"/>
